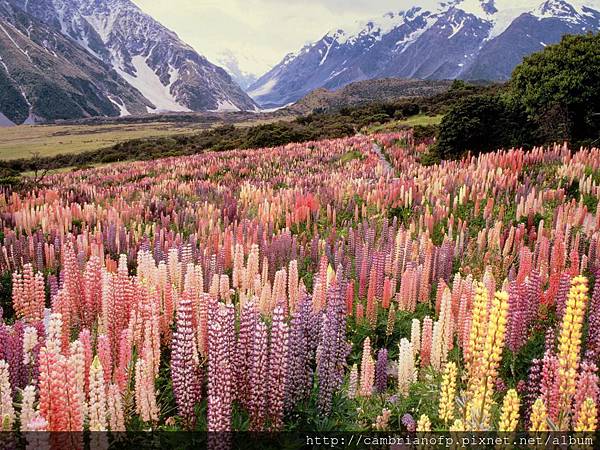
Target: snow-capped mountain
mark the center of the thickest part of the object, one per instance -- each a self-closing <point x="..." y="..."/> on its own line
<point x="152" y="60"/>
<point x="467" y="39"/>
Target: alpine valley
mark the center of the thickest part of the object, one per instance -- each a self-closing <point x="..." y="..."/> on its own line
<point x="64" y="59"/>
<point x="466" y="39"/>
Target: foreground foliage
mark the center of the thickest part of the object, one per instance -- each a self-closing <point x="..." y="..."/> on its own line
<point x="319" y="286"/>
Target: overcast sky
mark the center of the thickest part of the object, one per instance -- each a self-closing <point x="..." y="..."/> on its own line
<point x="260" y="32"/>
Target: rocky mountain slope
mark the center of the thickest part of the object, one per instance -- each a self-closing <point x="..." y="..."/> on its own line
<point x="43" y="75"/>
<point x="80" y="58"/>
<point x="467" y="39"/>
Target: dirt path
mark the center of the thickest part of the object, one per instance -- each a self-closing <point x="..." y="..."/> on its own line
<point x="389" y="170"/>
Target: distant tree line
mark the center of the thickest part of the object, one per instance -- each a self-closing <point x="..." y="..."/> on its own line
<point x="330" y="124"/>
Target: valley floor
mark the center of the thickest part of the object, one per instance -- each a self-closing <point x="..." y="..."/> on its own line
<point x="49" y="140"/>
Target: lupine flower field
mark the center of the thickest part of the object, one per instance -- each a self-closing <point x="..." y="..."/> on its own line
<point x="331" y="285"/>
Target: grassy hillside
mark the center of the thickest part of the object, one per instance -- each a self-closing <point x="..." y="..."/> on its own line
<point x="368" y="91"/>
<point x="420" y="120"/>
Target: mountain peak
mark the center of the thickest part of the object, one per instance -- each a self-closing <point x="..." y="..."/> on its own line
<point x="556" y="8"/>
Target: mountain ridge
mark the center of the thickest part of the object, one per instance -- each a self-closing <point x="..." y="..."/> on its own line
<point x="463" y="39"/>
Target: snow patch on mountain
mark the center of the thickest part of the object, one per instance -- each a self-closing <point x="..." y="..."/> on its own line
<point x="103" y="24"/>
<point x="503" y="19"/>
<point x="264" y="89"/>
<point x="148" y="83"/>
<point x="123" y="112"/>
<point x="226" y="106"/>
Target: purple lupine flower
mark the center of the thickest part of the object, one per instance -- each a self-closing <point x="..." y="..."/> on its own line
<point x="248" y="319"/>
<point x="53" y="286"/>
<point x="550" y="339"/>
<point x="278" y="357"/>
<point x="534" y="294"/>
<point x="302" y="348"/>
<point x="258" y="378"/>
<point x="220" y="377"/>
<point x="13" y="354"/>
<point x="4" y="332"/>
<point x="564" y="286"/>
<point x="333" y="349"/>
<point x="445" y="258"/>
<point x="409" y="422"/>
<point x="516" y="326"/>
<point x="532" y="389"/>
<point x="594" y="320"/>
<point x="381" y="376"/>
<point x="185" y="370"/>
<point x="500" y="385"/>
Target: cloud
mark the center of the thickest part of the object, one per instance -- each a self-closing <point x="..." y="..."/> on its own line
<point x="259" y="32"/>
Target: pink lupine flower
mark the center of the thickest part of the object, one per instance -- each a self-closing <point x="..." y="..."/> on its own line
<point x="145" y="393"/>
<point x="367" y="370"/>
<point x="220" y="369"/>
<point x="116" y="420"/>
<point x="426" y="341"/>
<point x="185" y="369"/>
<point x="123" y="370"/>
<point x="105" y="357"/>
<point x="278" y="360"/>
<point x="28" y="294"/>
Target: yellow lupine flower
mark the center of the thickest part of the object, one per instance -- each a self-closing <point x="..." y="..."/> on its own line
<point x="448" y="393"/>
<point x="569" y="347"/>
<point x="588" y="417"/>
<point x="391" y="321"/>
<point x="457" y="426"/>
<point x="423" y="424"/>
<point x="509" y="417"/>
<point x="481" y="383"/>
<point x="477" y="333"/>
<point x="539" y="416"/>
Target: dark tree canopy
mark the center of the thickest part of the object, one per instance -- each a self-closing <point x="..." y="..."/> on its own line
<point x="560" y="87"/>
<point x="482" y="123"/>
<point x="553" y="95"/>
